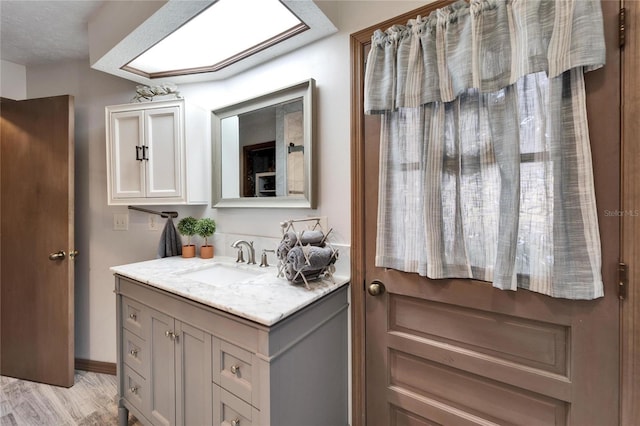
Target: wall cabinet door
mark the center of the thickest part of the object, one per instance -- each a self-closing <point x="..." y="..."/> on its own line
<point x="162" y="152"/>
<point x="127" y="168"/>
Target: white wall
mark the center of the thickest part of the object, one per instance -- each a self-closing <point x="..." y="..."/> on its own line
<point x="13" y="80"/>
<point x="327" y="61"/>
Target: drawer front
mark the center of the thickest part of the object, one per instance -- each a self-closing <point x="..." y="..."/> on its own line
<point x="135" y="317"/>
<point x="233" y="369"/>
<point x="229" y="410"/>
<point x="135" y="353"/>
<point x="135" y="389"/>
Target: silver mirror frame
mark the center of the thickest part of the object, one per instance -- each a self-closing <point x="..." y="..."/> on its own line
<point x="306" y="91"/>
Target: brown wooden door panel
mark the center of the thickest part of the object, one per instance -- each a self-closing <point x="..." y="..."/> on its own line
<point x="461" y="352"/>
<point x="37" y="219"/>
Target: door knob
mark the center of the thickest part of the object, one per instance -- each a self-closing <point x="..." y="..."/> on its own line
<point x="57" y="256"/>
<point x="376" y="288"/>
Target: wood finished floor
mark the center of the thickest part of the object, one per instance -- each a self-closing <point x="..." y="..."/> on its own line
<point x="90" y="401"/>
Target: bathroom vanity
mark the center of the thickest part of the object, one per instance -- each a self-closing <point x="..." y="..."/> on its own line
<point x="212" y="342"/>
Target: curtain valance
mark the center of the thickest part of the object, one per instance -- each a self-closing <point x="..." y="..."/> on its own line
<point x="485" y="45"/>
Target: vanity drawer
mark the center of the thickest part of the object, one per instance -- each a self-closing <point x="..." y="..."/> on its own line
<point x="233" y="369"/>
<point x="229" y="410"/>
<point x="135" y="353"/>
<point x="135" y="317"/>
<point x="135" y="388"/>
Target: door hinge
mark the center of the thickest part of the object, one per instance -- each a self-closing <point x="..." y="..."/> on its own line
<point x="623" y="280"/>
<point x="622" y="27"/>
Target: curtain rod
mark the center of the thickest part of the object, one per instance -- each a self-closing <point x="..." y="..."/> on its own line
<point x="163" y="214"/>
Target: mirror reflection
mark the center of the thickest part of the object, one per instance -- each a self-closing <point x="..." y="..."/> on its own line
<point x="270" y="145"/>
<point x="263" y="150"/>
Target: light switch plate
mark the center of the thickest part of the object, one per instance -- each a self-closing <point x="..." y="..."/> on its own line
<point x="154" y="222"/>
<point x="120" y="221"/>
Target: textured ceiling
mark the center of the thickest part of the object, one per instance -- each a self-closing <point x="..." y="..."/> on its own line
<point x="42" y="32"/>
<point x="39" y="32"/>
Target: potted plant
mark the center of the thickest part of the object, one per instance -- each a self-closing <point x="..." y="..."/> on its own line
<point x="187" y="227"/>
<point x="205" y="227"/>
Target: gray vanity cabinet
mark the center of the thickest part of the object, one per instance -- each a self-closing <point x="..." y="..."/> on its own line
<point x="184" y="363"/>
<point x="166" y="358"/>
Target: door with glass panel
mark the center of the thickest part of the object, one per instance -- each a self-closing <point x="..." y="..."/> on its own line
<point x="458" y="351"/>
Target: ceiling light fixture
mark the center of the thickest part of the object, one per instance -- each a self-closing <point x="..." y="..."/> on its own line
<point x="222" y="34"/>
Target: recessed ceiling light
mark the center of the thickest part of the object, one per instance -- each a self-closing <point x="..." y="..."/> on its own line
<point x="222" y="34"/>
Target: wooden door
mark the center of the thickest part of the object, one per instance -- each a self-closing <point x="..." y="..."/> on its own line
<point x="37" y="340"/>
<point x="461" y="352"/>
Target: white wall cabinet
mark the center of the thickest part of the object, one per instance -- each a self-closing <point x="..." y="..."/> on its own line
<point x="157" y="153"/>
<point x="183" y="363"/>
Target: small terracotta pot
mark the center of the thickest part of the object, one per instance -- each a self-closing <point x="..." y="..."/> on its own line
<point x="206" y="252"/>
<point x="189" y="251"/>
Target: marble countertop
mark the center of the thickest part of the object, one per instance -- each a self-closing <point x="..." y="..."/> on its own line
<point x="264" y="297"/>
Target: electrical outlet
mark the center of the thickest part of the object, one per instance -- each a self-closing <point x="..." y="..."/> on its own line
<point x="154" y="224"/>
<point x="120" y="221"/>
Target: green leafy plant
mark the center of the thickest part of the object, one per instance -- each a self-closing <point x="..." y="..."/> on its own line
<point x="205" y="227"/>
<point x="187" y="227"/>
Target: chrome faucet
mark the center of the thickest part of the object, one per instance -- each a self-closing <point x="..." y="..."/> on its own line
<point x="252" y="253"/>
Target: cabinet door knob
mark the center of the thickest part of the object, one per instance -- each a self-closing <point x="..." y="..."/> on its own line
<point x="133" y="389"/>
<point x="134" y="353"/>
<point x="235" y="422"/>
<point x="235" y="369"/>
<point x="171" y="335"/>
<point x="133" y="316"/>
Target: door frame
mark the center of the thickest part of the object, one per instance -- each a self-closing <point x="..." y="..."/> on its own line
<point x="630" y="225"/>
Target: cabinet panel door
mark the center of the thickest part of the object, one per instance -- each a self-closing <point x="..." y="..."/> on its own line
<point x="127" y="178"/>
<point x="164" y="152"/>
<point x="193" y="376"/>
<point x="162" y="377"/>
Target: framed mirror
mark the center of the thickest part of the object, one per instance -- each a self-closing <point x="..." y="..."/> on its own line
<point x="263" y="150"/>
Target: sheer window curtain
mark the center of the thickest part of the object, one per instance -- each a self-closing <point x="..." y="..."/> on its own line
<point x="485" y="161"/>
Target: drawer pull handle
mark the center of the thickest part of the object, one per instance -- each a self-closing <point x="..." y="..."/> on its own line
<point x="235" y="369"/>
<point x="134" y="390"/>
<point x="235" y="422"/>
<point x="134" y="353"/>
<point x="133" y="317"/>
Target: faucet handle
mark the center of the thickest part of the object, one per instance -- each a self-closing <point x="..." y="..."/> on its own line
<point x="263" y="258"/>
<point x="240" y="258"/>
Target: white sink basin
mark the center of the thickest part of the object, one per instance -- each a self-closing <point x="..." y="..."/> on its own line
<point x="221" y="274"/>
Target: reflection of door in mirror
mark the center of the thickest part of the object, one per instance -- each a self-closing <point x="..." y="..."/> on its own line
<point x="258" y="163"/>
<point x="294" y="141"/>
<point x="289" y="148"/>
